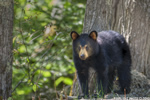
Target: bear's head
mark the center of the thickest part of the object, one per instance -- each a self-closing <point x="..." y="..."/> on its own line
<point x="84" y="45"/>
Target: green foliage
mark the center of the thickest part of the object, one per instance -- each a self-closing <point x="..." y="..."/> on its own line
<point x="66" y="80"/>
<point x="42" y="46"/>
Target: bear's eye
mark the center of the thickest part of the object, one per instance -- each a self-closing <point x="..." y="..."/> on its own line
<point x="79" y="47"/>
<point x="86" y="47"/>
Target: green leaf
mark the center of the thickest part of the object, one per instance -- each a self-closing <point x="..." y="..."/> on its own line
<point x="34" y="87"/>
<point x="65" y="80"/>
<point x="68" y="81"/>
<point x="48" y="66"/>
<point x="20" y="92"/>
<point x="46" y="73"/>
<point x="29" y="82"/>
<point x="28" y="60"/>
<point x="22" y="49"/>
<point x="59" y="80"/>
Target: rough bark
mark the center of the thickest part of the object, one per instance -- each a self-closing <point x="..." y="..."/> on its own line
<point x="131" y="18"/>
<point x="6" y="28"/>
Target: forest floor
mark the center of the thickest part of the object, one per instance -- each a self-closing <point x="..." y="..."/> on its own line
<point x="140" y="89"/>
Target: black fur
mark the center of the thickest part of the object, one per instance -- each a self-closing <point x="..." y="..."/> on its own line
<point x="109" y="52"/>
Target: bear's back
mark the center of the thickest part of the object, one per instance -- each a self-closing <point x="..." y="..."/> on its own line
<point x="110" y="37"/>
<point x="111" y="43"/>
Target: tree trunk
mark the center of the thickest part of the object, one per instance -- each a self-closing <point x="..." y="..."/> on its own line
<point x="6" y="36"/>
<point x="131" y="18"/>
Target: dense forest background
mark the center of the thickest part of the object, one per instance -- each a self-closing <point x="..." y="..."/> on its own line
<point x="42" y="48"/>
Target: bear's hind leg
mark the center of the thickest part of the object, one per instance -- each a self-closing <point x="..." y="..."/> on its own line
<point x="124" y="77"/>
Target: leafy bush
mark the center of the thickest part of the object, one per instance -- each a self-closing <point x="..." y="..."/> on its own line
<point x="42" y="62"/>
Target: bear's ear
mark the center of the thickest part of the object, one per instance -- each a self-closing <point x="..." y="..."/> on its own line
<point x="93" y="35"/>
<point x="74" y="35"/>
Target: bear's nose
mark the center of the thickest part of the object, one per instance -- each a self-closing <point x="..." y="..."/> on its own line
<point x="82" y="56"/>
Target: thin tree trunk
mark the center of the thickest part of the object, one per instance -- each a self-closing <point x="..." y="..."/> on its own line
<point x="131" y="18"/>
<point x="6" y="28"/>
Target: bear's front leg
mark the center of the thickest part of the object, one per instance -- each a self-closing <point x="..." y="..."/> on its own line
<point x="83" y="79"/>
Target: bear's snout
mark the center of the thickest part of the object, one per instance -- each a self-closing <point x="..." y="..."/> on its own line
<point x="82" y="56"/>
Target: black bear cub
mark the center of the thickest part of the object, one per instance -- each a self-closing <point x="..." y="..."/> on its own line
<point x="105" y="52"/>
